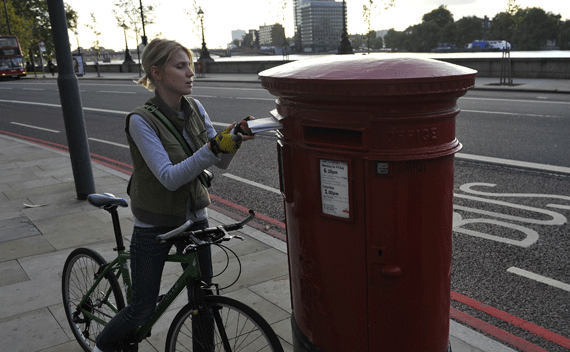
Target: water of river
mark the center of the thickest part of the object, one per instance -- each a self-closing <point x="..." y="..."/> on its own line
<point x="295" y="57"/>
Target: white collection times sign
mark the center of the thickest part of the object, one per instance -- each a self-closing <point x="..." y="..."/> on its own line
<point x="334" y="188"/>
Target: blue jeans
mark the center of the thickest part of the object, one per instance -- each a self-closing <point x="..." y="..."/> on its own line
<point x="147" y="262"/>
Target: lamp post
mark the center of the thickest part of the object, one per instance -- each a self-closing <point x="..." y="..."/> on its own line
<point x="205" y="54"/>
<point x="7" y="18"/>
<point x="128" y="57"/>
<point x="77" y="38"/>
<point x="345" y="46"/>
<point x="144" y="38"/>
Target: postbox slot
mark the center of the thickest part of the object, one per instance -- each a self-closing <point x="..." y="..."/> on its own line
<point x="333" y="136"/>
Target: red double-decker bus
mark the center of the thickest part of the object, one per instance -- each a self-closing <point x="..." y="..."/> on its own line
<point x="11" y="59"/>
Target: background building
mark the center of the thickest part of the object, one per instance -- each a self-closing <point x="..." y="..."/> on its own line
<point x="272" y="35"/>
<point x="238" y="34"/>
<point x="321" y="25"/>
<point x="297" y="4"/>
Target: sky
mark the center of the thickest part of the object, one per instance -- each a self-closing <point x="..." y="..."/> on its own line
<point x="223" y="16"/>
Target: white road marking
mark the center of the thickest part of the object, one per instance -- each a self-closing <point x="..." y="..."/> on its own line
<point x="115" y="92"/>
<point x="245" y="98"/>
<point x="204" y="96"/>
<point x="518" y="100"/>
<point x="34" y="127"/>
<point x="507" y="113"/>
<point x="539" y="278"/>
<point x="251" y="183"/>
<point x="108" y="142"/>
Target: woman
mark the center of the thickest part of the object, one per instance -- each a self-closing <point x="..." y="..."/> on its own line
<point x="167" y="187"/>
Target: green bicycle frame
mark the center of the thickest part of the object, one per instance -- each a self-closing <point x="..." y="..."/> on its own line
<point x="119" y="267"/>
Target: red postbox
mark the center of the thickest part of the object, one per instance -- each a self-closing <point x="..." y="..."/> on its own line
<point x="366" y="165"/>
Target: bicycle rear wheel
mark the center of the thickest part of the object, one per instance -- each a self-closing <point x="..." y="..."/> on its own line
<point x="238" y="327"/>
<point x="79" y="274"/>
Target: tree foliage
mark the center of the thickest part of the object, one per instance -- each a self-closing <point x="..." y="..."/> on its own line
<point x="525" y="29"/>
<point x="30" y="22"/>
<point x="369" y="10"/>
<point x="128" y="12"/>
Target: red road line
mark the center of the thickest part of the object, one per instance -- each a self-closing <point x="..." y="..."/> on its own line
<point x="513" y="320"/>
<point x="120" y="163"/>
<point x="52" y="145"/>
<point x="494" y="331"/>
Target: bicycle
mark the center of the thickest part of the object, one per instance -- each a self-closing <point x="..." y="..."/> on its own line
<point x="92" y="295"/>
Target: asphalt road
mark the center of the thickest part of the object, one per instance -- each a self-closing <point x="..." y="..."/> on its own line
<point x="510" y="249"/>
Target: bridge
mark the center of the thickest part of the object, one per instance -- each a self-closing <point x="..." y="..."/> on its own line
<point x="238" y="52"/>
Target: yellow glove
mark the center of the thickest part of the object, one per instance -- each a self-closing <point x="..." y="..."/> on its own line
<point x="225" y="142"/>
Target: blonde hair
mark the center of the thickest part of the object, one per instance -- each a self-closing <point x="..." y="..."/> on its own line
<point x="157" y="53"/>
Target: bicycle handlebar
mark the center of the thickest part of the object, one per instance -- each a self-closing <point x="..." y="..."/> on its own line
<point x="200" y="237"/>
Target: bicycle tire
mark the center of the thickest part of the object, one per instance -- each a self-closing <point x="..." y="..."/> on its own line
<point x="246" y="330"/>
<point x="79" y="274"/>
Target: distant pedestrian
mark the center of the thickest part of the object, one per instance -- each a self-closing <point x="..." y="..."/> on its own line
<point x="51" y="67"/>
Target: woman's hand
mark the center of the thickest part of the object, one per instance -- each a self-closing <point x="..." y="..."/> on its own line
<point x="243" y="129"/>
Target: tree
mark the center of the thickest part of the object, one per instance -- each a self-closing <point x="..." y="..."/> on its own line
<point x="395" y="40"/>
<point x="425" y="37"/>
<point x="96" y="45"/>
<point x="505" y="23"/>
<point x="437" y="26"/>
<point x="128" y="12"/>
<point x="369" y="10"/>
<point x="440" y="16"/>
<point x="195" y="26"/>
<point x="29" y="20"/>
<point x="535" y="28"/>
<point x="247" y="41"/>
<point x="279" y="38"/>
<point x="564" y="35"/>
<point x="468" y="29"/>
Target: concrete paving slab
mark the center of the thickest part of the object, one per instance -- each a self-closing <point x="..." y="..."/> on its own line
<point x="30" y="295"/>
<point x="24" y="247"/>
<point x="44" y="161"/>
<point x="256" y="268"/>
<point x="31" y="331"/>
<point x="12" y="177"/>
<point x="23" y="229"/>
<point x="40" y="182"/>
<point x="275" y="291"/>
<point x="46" y="194"/>
<point x="84" y="233"/>
<point x="270" y="312"/>
<point x="71" y="346"/>
<point x="283" y="330"/>
<point x="47" y="211"/>
<point x="12" y="273"/>
<point x="465" y="339"/>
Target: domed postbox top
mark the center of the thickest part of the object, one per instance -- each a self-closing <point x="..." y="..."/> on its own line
<point x="366" y="75"/>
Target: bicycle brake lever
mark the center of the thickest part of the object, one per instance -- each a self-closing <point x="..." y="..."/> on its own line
<point x="189" y="247"/>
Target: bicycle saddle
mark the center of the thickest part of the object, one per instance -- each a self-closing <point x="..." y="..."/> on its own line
<point x="106" y="199"/>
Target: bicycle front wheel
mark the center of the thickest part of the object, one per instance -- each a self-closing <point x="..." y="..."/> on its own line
<point x="237" y="328"/>
<point x="86" y="320"/>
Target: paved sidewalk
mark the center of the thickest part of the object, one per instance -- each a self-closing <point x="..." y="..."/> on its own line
<point x="41" y="222"/>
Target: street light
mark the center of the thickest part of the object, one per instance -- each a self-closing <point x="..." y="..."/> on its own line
<point x="345" y="47"/>
<point x="7" y="18"/>
<point x="77" y="38"/>
<point x="128" y="57"/>
<point x="144" y="37"/>
<point x="205" y="54"/>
